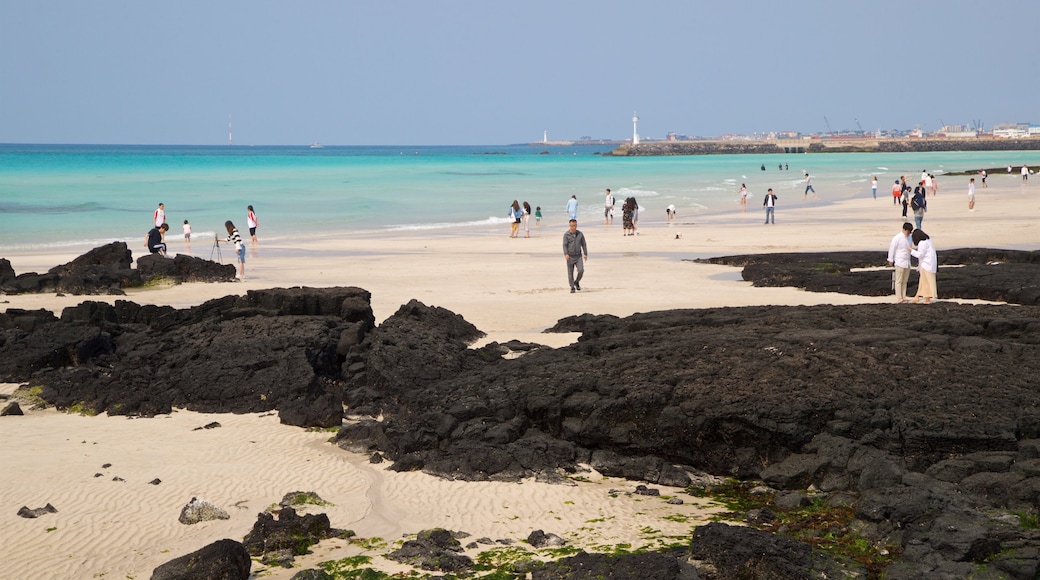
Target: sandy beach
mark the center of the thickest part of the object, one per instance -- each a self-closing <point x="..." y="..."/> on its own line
<point x="508" y="288"/>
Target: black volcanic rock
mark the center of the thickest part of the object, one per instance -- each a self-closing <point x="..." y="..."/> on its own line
<point x="184" y="268"/>
<point x="736" y="552"/>
<point x="222" y="560"/>
<point x="984" y="273"/>
<point x="106" y="270"/>
<point x="289" y="532"/>
<point x="236" y="354"/>
<point x="645" y="566"/>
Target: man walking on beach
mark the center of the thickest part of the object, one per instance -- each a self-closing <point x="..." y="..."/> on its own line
<point x="899" y="256"/>
<point x="770" y="204"/>
<point x="572" y="208"/>
<point x="809" y="187"/>
<point x="573" y="249"/>
<point x="608" y="208"/>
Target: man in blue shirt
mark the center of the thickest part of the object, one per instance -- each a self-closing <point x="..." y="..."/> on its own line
<point x="572" y="208"/>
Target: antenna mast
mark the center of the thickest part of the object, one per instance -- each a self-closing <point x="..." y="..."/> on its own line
<point x="229" y="130"/>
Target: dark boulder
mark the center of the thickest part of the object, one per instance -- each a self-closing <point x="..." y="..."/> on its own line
<point x="737" y="552"/>
<point x="290" y="531"/>
<point x="113" y="256"/>
<point x="221" y="560"/>
<point x="182" y="268"/>
<point x="6" y="272"/>
<point x="435" y="549"/>
<point x="584" y="566"/>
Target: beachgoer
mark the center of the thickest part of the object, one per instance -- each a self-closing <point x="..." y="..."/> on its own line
<point x="626" y="216"/>
<point x="635" y="216"/>
<point x="240" y="247"/>
<point x="809" y="187"/>
<point x="971" y="194"/>
<point x="159" y="216"/>
<point x="1025" y="173"/>
<point x="252" y="222"/>
<point x="935" y="184"/>
<point x="770" y="204"/>
<point x="897" y="193"/>
<point x="153" y="240"/>
<point x="538" y="216"/>
<point x="786" y="167"/>
<point x="572" y="208"/>
<point x="905" y="193"/>
<point x="763" y="167"/>
<point x="919" y="204"/>
<point x="669" y="212"/>
<point x="984" y="175"/>
<point x="873" y="186"/>
<point x="743" y="198"/>
<point x="608" y="208"/>
<point x="516" y="214"/>
<point x="527" y="220"/>
<point x="574" y="250"/>
<point x="1009" y="170"/>
<point x="899" y="257"/>
<point x="780" y="167"/>
<point x="927" y="266"/>
<point x="187" y="232"/>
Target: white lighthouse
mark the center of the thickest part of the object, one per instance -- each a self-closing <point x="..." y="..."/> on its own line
<point x="545" y="136"/>
<point x="635" y="129"/>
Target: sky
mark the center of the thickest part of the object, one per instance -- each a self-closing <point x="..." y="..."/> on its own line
<point x="482" y="72"/>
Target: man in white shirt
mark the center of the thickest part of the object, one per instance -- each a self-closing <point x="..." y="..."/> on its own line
<point x="608" y="208"/>
<point x="899" y="256"/>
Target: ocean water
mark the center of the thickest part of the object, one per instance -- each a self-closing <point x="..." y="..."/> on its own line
<point x="55" y="196"/>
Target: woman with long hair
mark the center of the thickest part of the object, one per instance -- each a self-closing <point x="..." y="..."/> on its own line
<point x="927" y="266"/>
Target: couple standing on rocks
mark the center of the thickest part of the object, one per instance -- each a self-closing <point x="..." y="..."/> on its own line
<point x="910" y="242"/>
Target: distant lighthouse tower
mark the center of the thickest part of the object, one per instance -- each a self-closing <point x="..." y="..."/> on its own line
<point x="229" y="141"/>
<point x="545" y="136"/>
<point x="635" y="129"/>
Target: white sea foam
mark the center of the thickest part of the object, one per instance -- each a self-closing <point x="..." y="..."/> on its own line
<point x="491" y="221"/>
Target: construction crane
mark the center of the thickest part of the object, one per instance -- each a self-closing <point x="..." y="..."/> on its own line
<point x="828" y="124"/>
<point x="858" y="125"/>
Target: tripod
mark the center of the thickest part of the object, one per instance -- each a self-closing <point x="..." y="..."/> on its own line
<point x="216" y="248"/>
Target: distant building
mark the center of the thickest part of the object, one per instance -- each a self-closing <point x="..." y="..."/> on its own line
<point x="1011" y="130"/>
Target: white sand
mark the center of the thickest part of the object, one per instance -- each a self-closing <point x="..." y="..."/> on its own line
<point x="509" y="288"/>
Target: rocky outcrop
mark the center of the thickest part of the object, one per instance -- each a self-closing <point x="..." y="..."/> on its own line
<point x="923" y="420"/>
<point x="221" y="560"/>
<point x="584" y="566"/>
<point x="106" y="271"/>
<point x="270" y="349"/>
<point x="281" y="540"/>
<point x="436" y="549"/>
<point x="981" y="274"/>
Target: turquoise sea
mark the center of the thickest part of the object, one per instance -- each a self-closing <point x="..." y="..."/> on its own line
<point x="55" y="196"/>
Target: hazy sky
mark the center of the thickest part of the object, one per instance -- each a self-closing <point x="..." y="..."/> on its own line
<point x="416" y="72"/>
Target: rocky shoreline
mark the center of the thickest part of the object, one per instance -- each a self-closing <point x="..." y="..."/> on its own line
<point x="660" y="148"/>
<point x="922" y="421"/>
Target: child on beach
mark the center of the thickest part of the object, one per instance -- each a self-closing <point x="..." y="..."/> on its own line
<point x="538" y="216"/>
<point x="240" y="248"/>
<point x="187" y="232"/>
<point x="252" y="222"/>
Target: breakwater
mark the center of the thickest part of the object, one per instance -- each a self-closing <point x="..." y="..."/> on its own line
<point x="660" y="148"/>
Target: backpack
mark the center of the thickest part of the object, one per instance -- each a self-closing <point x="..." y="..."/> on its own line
<point x="914" y="205"/>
